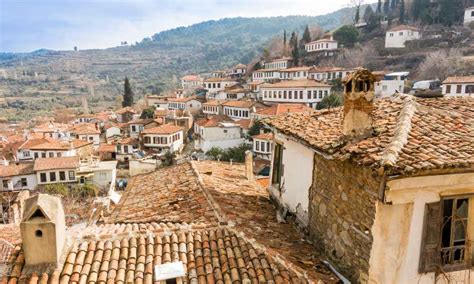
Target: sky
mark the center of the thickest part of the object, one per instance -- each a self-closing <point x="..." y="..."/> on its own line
<point x="28" y="25"/>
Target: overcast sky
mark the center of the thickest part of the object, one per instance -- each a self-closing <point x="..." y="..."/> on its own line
<point x="27" y="25"/>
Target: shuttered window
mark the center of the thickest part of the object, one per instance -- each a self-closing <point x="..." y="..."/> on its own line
<point x="430" y="249"/>
<point x="445" y="235"/>
<point x="277" y="165"/>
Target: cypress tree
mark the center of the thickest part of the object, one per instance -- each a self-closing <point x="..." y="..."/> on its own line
<point x="379" y="7"/>
<point x="295" y="54"/>
<point x="306" y="36"/>
<point x="128" y="94"/>
<point x="357" y="15"/>
<point x="368" y="13"/>
<point x="402" y="11"/>
<point x="386" y="7"/>
<point x="284" y="38"/>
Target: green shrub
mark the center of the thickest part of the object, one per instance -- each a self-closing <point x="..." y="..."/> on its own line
<point x="56" y="189"/>
<point x="86" y="190"/>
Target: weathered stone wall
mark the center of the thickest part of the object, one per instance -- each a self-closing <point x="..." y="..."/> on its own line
<point x="341" y="214"/>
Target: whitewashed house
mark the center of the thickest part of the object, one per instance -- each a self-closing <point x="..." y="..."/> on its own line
<point x="263" y="145"/>
<point x="458" y="86"/>
<point x="15" y="177"/>
<point x="238" y="71"/>
<point x="328" y="73"/>
<point x="240" y="109"/>
<point x="112" y="131"/>
<point x="137" y="125"/>
<point x="125" y="147"/>
<point x="33" y="149"/>
<point x="307" y="91"/>
<point x="279" y="63"/>
<point x="266" y="75"/>
<point x="327" y="45"/>
<point x="56" y="170"/>
<point x="125" y="114"/>
<point x="213" y="107"/>
<point x="397" y="36"/>
<point x="163" y="138"/>
<point x="295" y="73"/>
<point x="215" y="85"/>
<point x="87" y="132"/>
<point x="159" y="102"/>
<point x="235" y="92"/>
<point x="98" y="173"/>
<point x="390" y="84"/>
<point x="217" y="131"/>
<point x="191" y="81"/>
<point x="190" y="104"/>
<point x="469" y="15"/>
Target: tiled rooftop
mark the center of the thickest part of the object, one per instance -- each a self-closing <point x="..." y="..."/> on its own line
<point x="43" y="164"/>
<point x="409" y="134"/>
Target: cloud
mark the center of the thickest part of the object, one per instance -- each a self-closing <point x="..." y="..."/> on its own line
<point x="27" y="25"/>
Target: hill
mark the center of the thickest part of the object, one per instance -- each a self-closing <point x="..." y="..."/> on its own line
<point x="45" y="79"/>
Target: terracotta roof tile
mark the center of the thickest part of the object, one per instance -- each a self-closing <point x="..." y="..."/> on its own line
<point x="213" y="121"/>
<point x="402" y="28"/>
<point x="125" y="110"/>
<point x="282" y="108"/>
<point x="409" y="134"/>
<point x="107" y="148"/>
<point x="56" y="163"/>
<point x="16" y="170"/>
<point x="459" y="79"/>
<point x="263" y="136"/>
<point x="163" y="129"/>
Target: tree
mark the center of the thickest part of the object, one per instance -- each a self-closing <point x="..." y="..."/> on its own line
<point x="368" y="13"/>
<point x="393" y="4"/>
<point x="215" y="152"/>
<point x="357" y="15"/>
<point x="401" y="18"/>
<point x="417" y="8"/>
<point x="386" y="7"/>
<point x="450" y="11"/>
<point x="294" y="48"/>
<point x="347" y="35"/>
<point x="128" y="94"/>
<point x="148" y="113"/>
<point x="440" y="64"/>
<point x="379" y="7"/>
<point x="306" y="35"/>
<point x="331" y="101"/>
<point x="255" y="128"/>
<point x="284" y="41"/>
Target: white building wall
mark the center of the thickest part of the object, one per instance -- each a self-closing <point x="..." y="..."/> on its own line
<point x="397" y="39"/>
<point x="294" y="194"/>
<point x="94" y="138"/>
<point x="14" y="183"/>
<point x="112" y="131"/>
<point x="398" y="229"/>
<point x="237" y="113"/>
<point x="453" y="92"/>
<point x="311" y="96"/>
<point x="469" y="16"/>
<point x="386" y="88"/>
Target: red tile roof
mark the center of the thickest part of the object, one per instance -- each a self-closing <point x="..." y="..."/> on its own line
<point x="45" y="164"/>
<point x="244" y="123"/>
<point x="402" y="28"/>
<point x="264" y="136"/>
<point x="163" y="129"/>
<point x="107" y="148"/>
<point x="240" y="104"/>
<point x="459" y="79"/>
<point x="191" y="78"/>
<point x="16" y="170"/>
<point x="282" y="108"/>
<point x="409" y="134"/>
<point x="213" y="121"/>
<point x="303" y="83"/>
<point x="125" y="110"/>
<point x="84" y="128"/>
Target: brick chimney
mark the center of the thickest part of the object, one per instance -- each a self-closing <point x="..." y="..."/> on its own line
<point x="43" y="234"/>
<point x="358" y="103"/>
<point x="249" y="165"/>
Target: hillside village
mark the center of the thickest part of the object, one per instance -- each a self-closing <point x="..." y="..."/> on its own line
<point x="313" y="163"/>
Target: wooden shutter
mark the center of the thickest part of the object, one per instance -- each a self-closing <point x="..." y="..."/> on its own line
<point x="430" y="257"/>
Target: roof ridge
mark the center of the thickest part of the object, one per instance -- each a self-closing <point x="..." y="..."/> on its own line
<point x="402" y="130"/>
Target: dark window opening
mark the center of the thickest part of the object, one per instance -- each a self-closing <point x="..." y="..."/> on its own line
<point x="171" y="281"/>
<point x="454" y="231"/>
<point x="38" y="233"/>
<point x="277" y="164"/>
<point x="38" y="213"/>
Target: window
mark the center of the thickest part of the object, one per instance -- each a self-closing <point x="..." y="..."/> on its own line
<point x="26" y="153"/>
<point x="62" y="176"/>
<point x="72" y="175"/>
<point x="125" y="149"/>
<point x="391" y="34"/>
<point x="36" y="155"/>
<point x="277" y="164"/>
<point x="24" y="182"/>
<point x="43" y="155"/>
<point x="5" y="184"/>
<point x="257" y="146"/>
<point x="58" y="154"/>
<point x="445" y="235"/>
<point x="147" y="139"/>
<point x="458" y="89"/>
<point x="52" y="176"/>
<point x="448" y="89"/>
<point x="51" y="155"/>
<point x="469" y="89"/>
<point x="43" y="177"/>
<point x="400" y="33"/>
<point x="134" y="129"/>
<point x="91" y="138"/>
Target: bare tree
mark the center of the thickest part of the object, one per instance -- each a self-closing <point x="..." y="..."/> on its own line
<point x="275" y="48"/>
<point x="440" y="64"/>
<point x="357" y="57"/>
<point x="316" y="32"/>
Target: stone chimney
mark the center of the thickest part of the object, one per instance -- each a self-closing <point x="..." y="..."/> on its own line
<point x="43" y="233"/>
<point x="249" y="165"/>
<point x="358" y="103"/>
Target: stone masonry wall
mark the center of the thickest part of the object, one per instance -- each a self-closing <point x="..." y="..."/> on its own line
<point x="341" y="214"/>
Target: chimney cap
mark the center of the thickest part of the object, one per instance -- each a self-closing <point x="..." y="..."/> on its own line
<point x="45" y="204"/>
